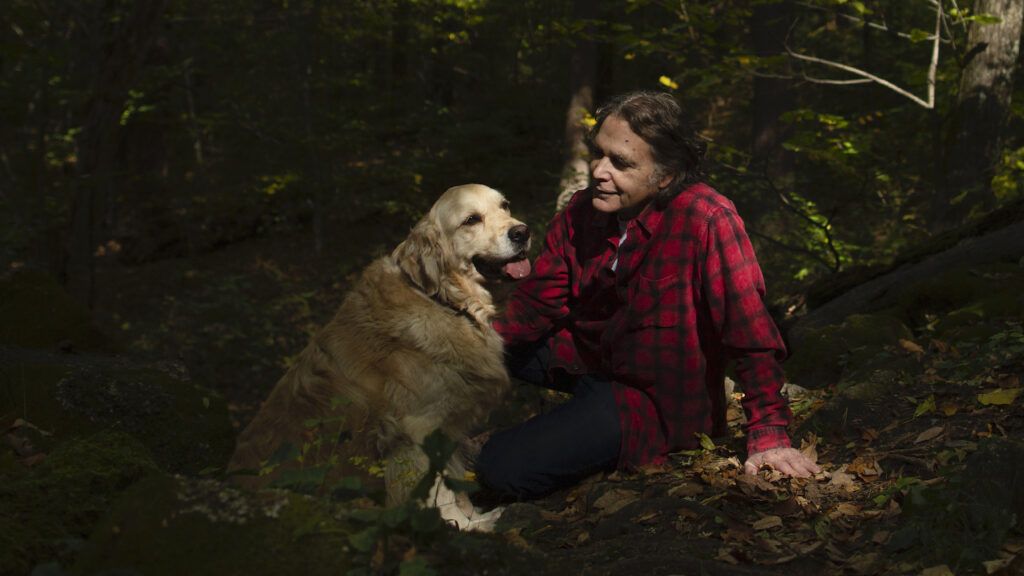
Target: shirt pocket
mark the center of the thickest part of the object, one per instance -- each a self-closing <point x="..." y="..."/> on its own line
<point x="655" y="302"/>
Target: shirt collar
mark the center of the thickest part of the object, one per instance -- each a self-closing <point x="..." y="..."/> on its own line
<point x="648" y="219"/>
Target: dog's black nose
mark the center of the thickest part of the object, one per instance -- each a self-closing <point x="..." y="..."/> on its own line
<point x="519" y="234"/>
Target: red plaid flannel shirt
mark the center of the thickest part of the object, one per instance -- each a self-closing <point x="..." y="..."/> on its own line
<point x="685" y="296"/>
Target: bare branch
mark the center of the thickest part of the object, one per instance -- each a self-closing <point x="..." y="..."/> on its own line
<point x="860" y="21"/>
<point x="862" y="73"/>
<point x="790" y="248"/>
<point x="932" y="68"/>
<point x="836" y="82"/>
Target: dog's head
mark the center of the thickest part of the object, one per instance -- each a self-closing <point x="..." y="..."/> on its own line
<point x="469" y="232"/>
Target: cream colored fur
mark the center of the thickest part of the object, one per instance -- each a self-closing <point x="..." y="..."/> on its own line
<point x="410" y="350"/>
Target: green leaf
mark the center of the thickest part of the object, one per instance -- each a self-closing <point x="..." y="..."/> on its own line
<point x="706" y="442"/>
<point x="285" y="452"/>
<point x="918" y="35"/>
<point x="415" y="566"/>
<point x="393" y="517"/>
<point x="365" y="514"/>
<point x="925" y="407"/>
<point x="364" y="540"/>
<point x="426" y="520"/>
<point x="985" y="19"/>
<point x="305" y="480"/>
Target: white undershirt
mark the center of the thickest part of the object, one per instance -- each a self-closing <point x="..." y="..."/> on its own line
<point x="622" y="228"/>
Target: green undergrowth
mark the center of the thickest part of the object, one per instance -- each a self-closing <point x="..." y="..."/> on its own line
<point x="47" y="511"/>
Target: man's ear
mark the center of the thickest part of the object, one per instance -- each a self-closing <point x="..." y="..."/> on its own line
<point x="421" y="256"/>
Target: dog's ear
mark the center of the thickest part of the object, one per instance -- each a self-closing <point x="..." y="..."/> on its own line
<point x="422" y="257"/>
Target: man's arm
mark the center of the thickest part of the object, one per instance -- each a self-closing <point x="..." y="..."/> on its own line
<point x="734" y="289"/>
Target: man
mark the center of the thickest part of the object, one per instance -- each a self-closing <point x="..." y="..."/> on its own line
<point x="646" y="285"/>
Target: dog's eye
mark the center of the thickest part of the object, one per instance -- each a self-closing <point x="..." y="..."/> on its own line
<point x="504" y="205"/>
<point x="472" y="219"/>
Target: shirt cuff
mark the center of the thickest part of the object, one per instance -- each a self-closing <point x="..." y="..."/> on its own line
<point x="766" y="438"/>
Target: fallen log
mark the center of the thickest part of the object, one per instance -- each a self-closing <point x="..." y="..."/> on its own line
<point x="997" y="237"/>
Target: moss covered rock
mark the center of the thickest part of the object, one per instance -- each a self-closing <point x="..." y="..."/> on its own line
<point x="35" y="312"/>
<point x="171" y="526"/>
<point x="183" y="425"/>
<point x="988" y="291"/>
<point x="827" y="353"/>
<point x="861" y="404"/>
<point x="46" y="511"/>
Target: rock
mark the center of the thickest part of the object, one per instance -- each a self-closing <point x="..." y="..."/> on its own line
<point x="46" y="511"/>
<point x="965" y="520"/>
<point x="184" y="426"/>
<point x="171" y="525"/>
<point x="35" y="312"/>
<point x="825" y="354"/>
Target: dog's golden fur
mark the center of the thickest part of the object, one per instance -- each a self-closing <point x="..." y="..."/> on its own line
<point x="410" y="350"/>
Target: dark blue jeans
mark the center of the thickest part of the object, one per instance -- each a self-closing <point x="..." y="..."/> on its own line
<point x="559" y="448"/>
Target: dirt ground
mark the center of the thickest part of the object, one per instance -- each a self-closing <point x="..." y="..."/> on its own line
<point x="906" y="489"/>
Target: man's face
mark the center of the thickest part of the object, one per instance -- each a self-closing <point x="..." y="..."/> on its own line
<point x="625" y="176"/>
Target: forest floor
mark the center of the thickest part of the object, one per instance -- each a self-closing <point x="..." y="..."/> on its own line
<point x="914" y="478"/>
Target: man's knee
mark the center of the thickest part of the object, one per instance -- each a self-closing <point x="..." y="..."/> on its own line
<point x="498" y="473"/>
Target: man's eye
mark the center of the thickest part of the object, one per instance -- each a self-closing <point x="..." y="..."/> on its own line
<point x="472" y="219"/>
<point x="619" y="163"/>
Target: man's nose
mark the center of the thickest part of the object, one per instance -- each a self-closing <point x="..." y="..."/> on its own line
<point x="599" y="169"/>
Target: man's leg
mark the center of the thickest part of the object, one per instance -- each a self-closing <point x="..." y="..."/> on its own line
<point x="556" y="449"/>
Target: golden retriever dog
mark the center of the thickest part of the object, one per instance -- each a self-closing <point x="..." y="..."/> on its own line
<point x="410" y="350"/>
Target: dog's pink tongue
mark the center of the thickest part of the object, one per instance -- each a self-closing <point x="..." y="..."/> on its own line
<point x="519" y="269"/>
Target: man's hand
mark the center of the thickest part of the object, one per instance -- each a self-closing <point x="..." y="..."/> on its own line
<point x="789" y="461"/>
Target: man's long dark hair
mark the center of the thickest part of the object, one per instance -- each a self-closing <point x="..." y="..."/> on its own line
<point x="659" y="119"/>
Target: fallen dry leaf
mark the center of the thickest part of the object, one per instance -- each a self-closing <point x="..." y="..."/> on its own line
<point x="866" y="467"/>
<point x="780" y="559"/>
<point x="949" y="408"/>
<point x="687" y="513"/>
<point x="847" y="509"/>
<point x="646" y="516"/>
<point x="686" y="489"/>
<point x="809" y="447"/>
<point x="725" y="554"/>
<point x="863" y="563"/>
<point x="912" y="347"/>
<point x="999" y="397"/>
<point x="994" y="566"/>
<point x="514" y="538"/>
<point x="880" y="537"/>
<point x="583" y="537"/>
<point x="754" y="485"/>
<point x="925" y="407"/>
<point x="940" y="570"/>
<point x="929" y="434"/>
<point x="840" y="479"/>
<point x="614" y="500"/>
<point x="767" y="523"/>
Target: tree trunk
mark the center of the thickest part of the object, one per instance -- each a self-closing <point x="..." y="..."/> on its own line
<point x="983" y="105"/>
<point x="122" y="54"/>
<point x="582" y="75"/>
<point x="772" y="96"/>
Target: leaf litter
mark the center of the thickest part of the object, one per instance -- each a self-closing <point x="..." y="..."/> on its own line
<point x="843" y="520"/>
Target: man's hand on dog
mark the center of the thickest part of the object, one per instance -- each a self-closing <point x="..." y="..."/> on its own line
<point x="789" y="461"/>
